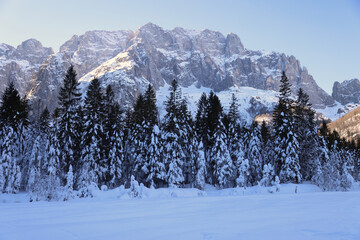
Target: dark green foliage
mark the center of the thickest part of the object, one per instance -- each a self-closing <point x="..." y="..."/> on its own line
<point x="14" y="110"/>
<point x="69" y="112"/>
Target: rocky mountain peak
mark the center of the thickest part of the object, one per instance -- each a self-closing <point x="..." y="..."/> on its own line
<point x="347" y="91"/>
<point x="233" y="45"/>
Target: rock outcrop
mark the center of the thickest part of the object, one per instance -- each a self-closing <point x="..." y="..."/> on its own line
<point x="347" y="91"/>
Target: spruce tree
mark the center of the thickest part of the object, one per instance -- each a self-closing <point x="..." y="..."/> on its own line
<point x="254" y="154"/>
<point x="307" y="134"/>
<point x="69" y="134"/>
<point x="174" y="137"/>
<point x="94" y="165"/>
<point x="286" y="161"/>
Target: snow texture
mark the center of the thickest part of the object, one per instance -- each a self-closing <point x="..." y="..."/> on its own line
<point x="232" y="213"/>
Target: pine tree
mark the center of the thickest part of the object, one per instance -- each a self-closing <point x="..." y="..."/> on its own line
<point x="307" y="134"/>
<point x="220" y="158"/>
<point x="268" y="176"/>
<point x="154" y="167"/>
<point x="254" y="154"/>
<point x="92" y="140"/>
<point x="200" y="165"/>
<point x="286" y="144"/>
<point x="144" y="120"/>
<point x="114" y="139"/>
<point x="11" y="175"/>
<point x="69" y="134"/>
<point x="174" y="138"/>
<point x="69" y="188"/>
<point x="14" y="110"/>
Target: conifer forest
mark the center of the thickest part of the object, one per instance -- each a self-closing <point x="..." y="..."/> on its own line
<point x="91" y="142"/>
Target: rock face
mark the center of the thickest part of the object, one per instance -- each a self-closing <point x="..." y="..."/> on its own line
<point x="347" y="92"/>
<point x="19" y="64"/>
<point x="85" y="52"/>
<point x="129" y="61"/>
<point x="204" y="58"/>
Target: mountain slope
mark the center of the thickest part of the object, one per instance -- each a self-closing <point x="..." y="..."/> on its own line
<point x="151" y="55"/>
<point x="201" y="58"/>
<point x="348" y="126"/>
<point x="85" y="52"/>
<point x="19" y="64"/>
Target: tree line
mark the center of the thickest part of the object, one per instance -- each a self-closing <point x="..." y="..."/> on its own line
<point x="94" y="143"/>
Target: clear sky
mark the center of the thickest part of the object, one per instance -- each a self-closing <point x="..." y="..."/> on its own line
<point x="323" y="34"/>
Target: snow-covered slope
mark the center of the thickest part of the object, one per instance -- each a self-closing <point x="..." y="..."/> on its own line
<point x="85" y="52"/>
<point x="251" y="101"/>
<point x="188" y="214"/>
<point x="152" y="55"/>
<point x="202" y="59"/>
<point x="19" y="64"/>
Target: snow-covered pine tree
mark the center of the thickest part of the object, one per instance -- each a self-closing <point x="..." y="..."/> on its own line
<point x="307" y="135"/>
<point x="113" y="143"/>
<point x="173" y="136"/>
<point x="36" y="162"/>
<point x="144" y="118"/>
<point x="69" y="131"/>
<point x="93" y="169"/>
<point x="286" y="161"/>
<point x="235" y="141"/>
<point x="14" y="113"/>
<point x="154" y="167"/>
<point x="220" y="157"/>
<point x="268" y="175"/>
<point x="51" y="182"/>
<point x="69" y="187"/>
<point x="254" y="154"/>
<point x="243" y="169"/>
<point x="208" y="122"/>
<point x="200" y="164"/>
<point x="135" y="191"/>
<point x="10" y="168"/>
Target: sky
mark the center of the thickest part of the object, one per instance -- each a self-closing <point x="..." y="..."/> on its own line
<point x="323" y="34"/>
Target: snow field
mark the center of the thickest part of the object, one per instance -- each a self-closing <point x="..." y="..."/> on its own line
<point x="253" y="213"/>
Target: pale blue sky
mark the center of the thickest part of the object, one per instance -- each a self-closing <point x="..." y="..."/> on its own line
<point x="323" y="34"/>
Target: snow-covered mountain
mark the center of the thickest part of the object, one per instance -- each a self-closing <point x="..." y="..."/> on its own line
<point x="347" y="91"/>
<point x="199" y="60"/>
<point x="19" y="64"/>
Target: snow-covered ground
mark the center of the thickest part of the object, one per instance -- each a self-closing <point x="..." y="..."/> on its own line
<point x="187" y="214"/>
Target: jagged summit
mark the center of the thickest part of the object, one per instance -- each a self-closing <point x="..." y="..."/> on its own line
<point x="131" y="60"/>
<point x="347" y="91"/>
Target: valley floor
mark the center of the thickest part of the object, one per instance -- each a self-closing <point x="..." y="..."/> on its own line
<point x="187" y="214"/>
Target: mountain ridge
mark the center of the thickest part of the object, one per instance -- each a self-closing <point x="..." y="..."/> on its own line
<point x="131" y="60"/>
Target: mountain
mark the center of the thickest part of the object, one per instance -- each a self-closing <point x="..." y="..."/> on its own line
<point x="129" y="61"/>
<point x="19" y="64"/>
<point x="347" y="91"/>
<point x="201" y="58"/>
<point x="85" y="52"/>
<point x="348" y="125"/>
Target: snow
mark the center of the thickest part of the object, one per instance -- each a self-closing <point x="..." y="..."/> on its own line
<point x="244" y="94"/>
<point x="332" y="111"/>
<point x="253" y="213"/>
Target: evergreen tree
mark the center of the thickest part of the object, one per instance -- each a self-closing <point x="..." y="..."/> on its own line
<point x="11" y="175"/>
<point x="114" y="140"/>
<point x="254" y="154"/>
<point x="307" y="134"/>
<point x="200" y="165"/>
<point x="174" y="137"/>
<point x="286" y="162"/>
<point x="221" y="160"/>
<point x="144" y="120"/>
<point x="14" y="110"/>
<point x="69" y="134"/>
<point x="92" y="140"/>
